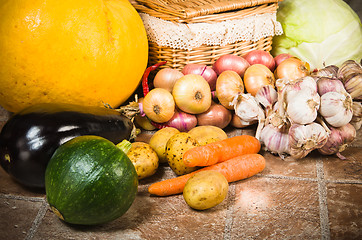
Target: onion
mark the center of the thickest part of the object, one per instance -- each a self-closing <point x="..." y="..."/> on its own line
<point x="201" y="69"/>
<point x="257" y="76"/>
<point x="159" y="105"/>
<point x="338" y="140"/>
<point x="192" y="94"/>
<point x="182" y="121"/>
<point x="237" y="122"/>
<point x="260" y="57"/>
<point x="228" y="85"/>
<point x="292" y="69"/>
<point x="217" y="115"/>
<point x="230" y="62"/>
<point x="281" y="57"/>
<point x="166" y="78"/>
<point x="141" y="120"/>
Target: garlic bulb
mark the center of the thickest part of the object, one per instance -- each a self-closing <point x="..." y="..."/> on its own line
<point x="353" y="86"/>
<point x="305" y="138"/>
<point x="293" y="87"/>
<point x="338" y="140"/>
<point x="267" y="96"/>
<point x="329" y="71"/>
<point x="248" y="109"/>
<point x="357" y="115"/>
<point x="336" y="108"/>
<point x="326" y="84"/>
<point x="303" y="107"/>
<point x="350" y="74"/>
<point x="275" y="140"/>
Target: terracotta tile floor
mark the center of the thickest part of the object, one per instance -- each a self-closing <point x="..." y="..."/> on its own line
<point x="318" y="197"/>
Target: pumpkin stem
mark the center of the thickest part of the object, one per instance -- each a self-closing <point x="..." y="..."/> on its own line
<point x="125" y="146"/>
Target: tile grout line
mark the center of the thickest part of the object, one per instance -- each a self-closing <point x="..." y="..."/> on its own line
<point x="37" y="221"/>
<point x="323" y="207"/>
<point x="18" y="197"/>
<point x="229" y="213"/>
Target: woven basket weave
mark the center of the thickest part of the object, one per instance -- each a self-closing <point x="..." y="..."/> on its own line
<point x="203" y="11"/>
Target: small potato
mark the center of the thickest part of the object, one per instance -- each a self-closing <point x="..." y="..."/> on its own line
<point x="159" y="139"/>
<point x="208" y="134"/>
<point x="176" y="146"/>
<point x="205" y="190"/>
<point x="144" y="159"/>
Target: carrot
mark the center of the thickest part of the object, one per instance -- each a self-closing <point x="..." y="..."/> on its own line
<point x="221" y="151"/>
<point x="235" y="169"/>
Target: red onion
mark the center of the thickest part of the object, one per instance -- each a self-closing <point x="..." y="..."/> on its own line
<point x="338" y="140"/>
<point x="217" y="115"/>
<point x="281" y="57"/>
<point x="326" y="84"/>
<point x="182" y="121"/>
<point x="230" y="62"/>
<point x="260" y="57"/>
<point x="201" y="69"/>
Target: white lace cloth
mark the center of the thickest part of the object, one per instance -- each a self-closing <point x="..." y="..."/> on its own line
<point x="188" y="36"/>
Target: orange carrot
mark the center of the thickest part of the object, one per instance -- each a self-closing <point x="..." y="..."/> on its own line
<point x="235" y="169"/>
<point x="221" y="151"/>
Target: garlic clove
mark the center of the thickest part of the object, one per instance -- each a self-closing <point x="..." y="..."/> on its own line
<point x="303" y="107"/>
<point x="336" y="108"/>
<point x="305" y="138"/>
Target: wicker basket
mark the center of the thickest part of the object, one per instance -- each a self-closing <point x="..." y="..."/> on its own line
<point x="203" y="11"/>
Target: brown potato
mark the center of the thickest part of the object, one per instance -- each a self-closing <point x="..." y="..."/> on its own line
<point x="176" y="146"/>
<point x="207" y="134"/>
<point x="144" y="159"/>
<point x="205" y="189"/>
<point x="159" y="139"/>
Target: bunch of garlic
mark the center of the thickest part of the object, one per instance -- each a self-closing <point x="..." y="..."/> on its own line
<point x="320" y="111"/>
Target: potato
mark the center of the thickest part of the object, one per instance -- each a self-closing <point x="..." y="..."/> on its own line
<point x="205" y="189"/>
<point x="144" y="159"/>
<point x="207" y="134"/>
<point x="159" y="139"/>
<point x="176" y="146"/>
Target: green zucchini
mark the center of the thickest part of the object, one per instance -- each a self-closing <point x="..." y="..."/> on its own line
<point x="89" y="180"/>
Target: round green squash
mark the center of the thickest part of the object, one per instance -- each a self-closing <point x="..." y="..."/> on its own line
<point x="89" y="180"/>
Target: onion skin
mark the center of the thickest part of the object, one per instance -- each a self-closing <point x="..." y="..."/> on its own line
<point x="260" y="57"/>
<point x="166" y="78"/>
<point x="237" y="122"/>
<point x="192" y="94"/>
<point x="292" y="68"/>
<point x="159" y="105"/>
<point x="217" y="115"/>
<point x="231" y="62"/>
<point x="257" y="76"/>
<point x="228" y="85"/>
<point x="338" y="140"/>
<point x="201" y="69"/>
<point x="182" y="121"/>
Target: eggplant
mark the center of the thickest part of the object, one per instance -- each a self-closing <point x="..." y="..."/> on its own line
<point x="30" y="137"/>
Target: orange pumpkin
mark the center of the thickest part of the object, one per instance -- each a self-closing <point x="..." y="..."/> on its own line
<point x="87" y="52"/>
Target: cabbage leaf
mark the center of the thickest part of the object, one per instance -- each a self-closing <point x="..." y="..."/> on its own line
<point x="322" y="33"/>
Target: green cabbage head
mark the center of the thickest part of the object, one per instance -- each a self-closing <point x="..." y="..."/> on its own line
<point x="322" y="33"/>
